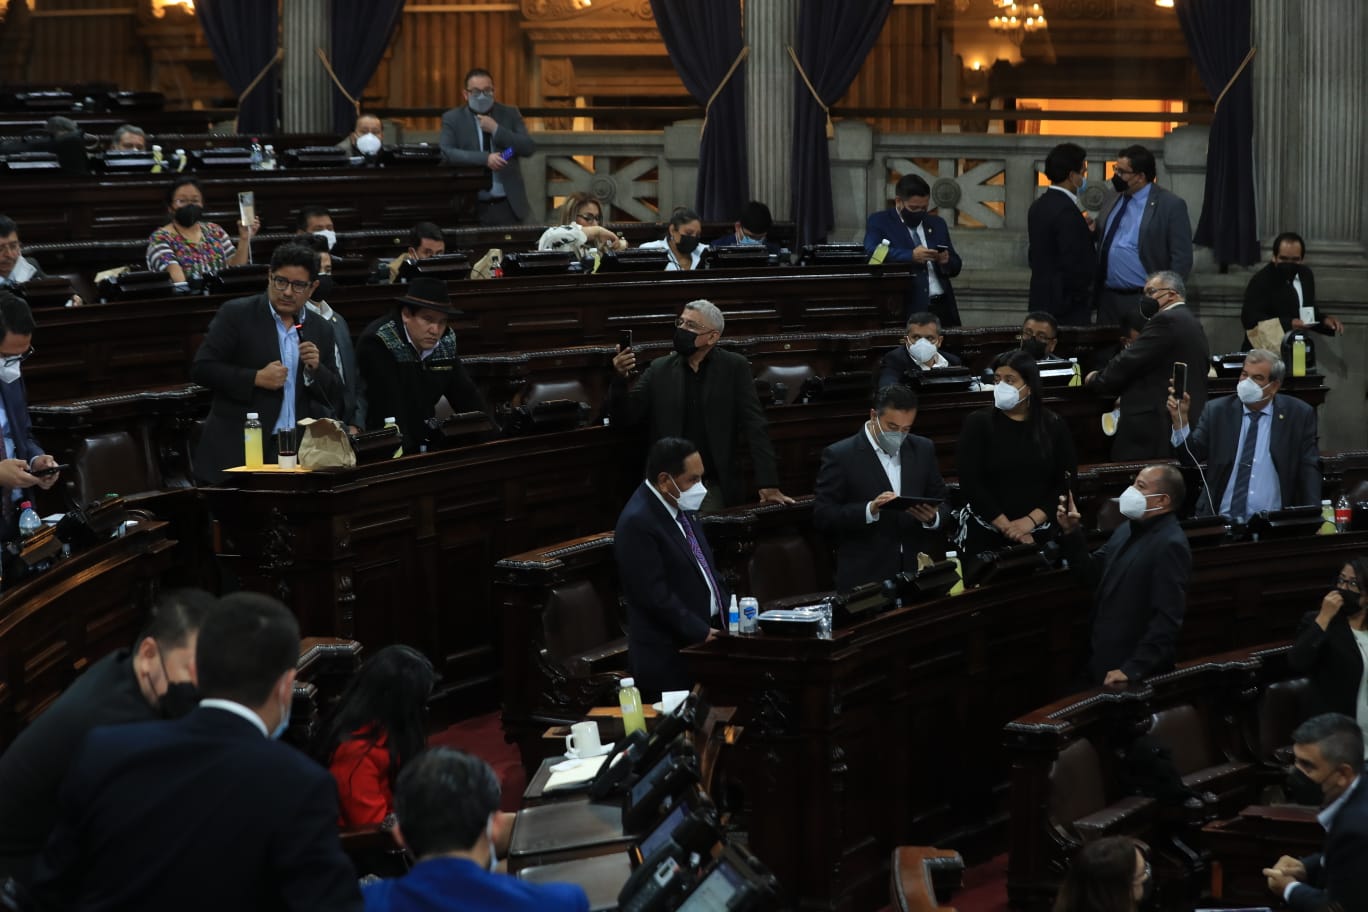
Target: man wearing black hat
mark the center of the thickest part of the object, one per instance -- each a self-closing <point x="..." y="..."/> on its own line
<point x="408" y="361"/>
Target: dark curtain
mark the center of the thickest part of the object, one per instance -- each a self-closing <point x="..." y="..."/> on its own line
<point x="703" y="37"/>
<point x="1218" y="37"/>
<point x="243" y="36"/>
<point x="834" y="37"/>
<point x="360" y="34"/>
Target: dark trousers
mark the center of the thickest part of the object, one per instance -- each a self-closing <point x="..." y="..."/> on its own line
<point x="496" y="212"/>
<point x="1111" y="303"/>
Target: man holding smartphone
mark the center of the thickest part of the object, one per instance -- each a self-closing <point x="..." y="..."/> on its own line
<point x="916" y="236"/>
<point x="25" y="464"/>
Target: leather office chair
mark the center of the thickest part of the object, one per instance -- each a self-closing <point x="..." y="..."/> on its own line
<point x="547" y="391"/>
<point x="781" y="567"/>
<point x="580" y="633"/>
<point x="791" y="375"/>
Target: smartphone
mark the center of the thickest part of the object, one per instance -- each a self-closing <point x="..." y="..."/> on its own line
<point x="625" y="340"/>
<point x="50" y="470"/>
<point x="1179" y="379"/>
<point x="507" y="154"/>
<point x="942" y="248"/>
<point x="246" y="208"/>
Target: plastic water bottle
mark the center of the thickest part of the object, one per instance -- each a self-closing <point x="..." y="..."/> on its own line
<point x="1344" y="514"/>
<point x="733" y="617"/>
<point x="1327" y="526"/>
<point x="257" y="154"/>
<point x="879" y="253"/>
<point x="156" y="159"/>
<point x="958" y="588"/>
<point x="251" y="442"/>
<point x="629" y="698"/>
<point x="268" y="159"/>
<point x="392" y="423"/>
<point x="181" y="159"/>
<point x="1298" y="356"/>
<point x="29" y="522"/>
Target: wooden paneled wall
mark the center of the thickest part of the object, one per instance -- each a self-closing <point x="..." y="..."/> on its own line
<point x="74" y="41"/>
<point x="902" y="69"/>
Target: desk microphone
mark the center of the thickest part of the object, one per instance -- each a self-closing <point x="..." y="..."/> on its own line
<point x="299" y="334"/>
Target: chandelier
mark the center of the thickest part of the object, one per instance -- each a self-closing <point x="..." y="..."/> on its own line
<point x="1016" y="20"/>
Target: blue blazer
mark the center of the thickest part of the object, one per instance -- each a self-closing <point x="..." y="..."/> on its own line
<point x="205" y="807"/>
<point x="458" y="883"/>
<point x="1337" y="874"/>
<point x="668" y="601"/>
<point x="887" y="223"/>
<point x="15" y="398"/>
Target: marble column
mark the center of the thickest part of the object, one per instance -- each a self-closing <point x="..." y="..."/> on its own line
<point x="1310" y="76"/>
<point x="770" y="27"/>
<point x="307" y="89"/>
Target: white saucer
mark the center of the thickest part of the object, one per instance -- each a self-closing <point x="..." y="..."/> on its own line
<point x="604" y="749"/>
<point x="659" y="707"/>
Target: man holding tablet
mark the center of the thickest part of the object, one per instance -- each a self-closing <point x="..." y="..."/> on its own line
<point x="879" y="494"/>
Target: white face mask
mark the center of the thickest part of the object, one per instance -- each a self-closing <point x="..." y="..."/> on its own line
<point x="923" y="350"/>
<point x="1134" y="503"/>
<point x="367" y="144"/>
<point x="9" y="373"/>
<point x="691" y="500"/>
<point x="329" y="235"/>
<point x="1249" y="391"/>
<point x="1006" y="396"/>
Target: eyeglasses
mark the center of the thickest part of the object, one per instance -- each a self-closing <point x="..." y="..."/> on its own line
<point x="1039" y="336"/>
<point x="1149" y="872"/>
<point x="480" y="93"/>
<point x="11" y="360"/>
<point x="1122" y="172"/>
<point x="9" y="247"/>
<point x="1344" y="582"/>
<point x="1158" y="291"/>
<point x="280" y="283"/>
<point x="187" y="202"/>
<point x="588" y="217"/>
<point x="691" y="326"/>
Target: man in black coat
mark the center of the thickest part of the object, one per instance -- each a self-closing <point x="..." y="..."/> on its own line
<point x="1284" y="462"/>
<point x="675" y="596"/>
<point x="705" y="394"/>
<point x="265" y="354"/>
<point x="1060" y="235"/>
<point x="1329" y="761"/>
<point x="210" y="811"/>
<point x="862" y="473"/>
<point x="1139" y="375"/>
<point x="1139" y="579"/>
<point x="916" y="236"/>
<point x="1285" y="290"/>
<point x="485" y="134"/>
<point x="408" y="361"/>
<point x="921" y="350"/>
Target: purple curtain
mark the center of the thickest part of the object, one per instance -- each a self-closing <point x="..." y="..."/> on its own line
<point x="360" y="34"/>
<point x="243" y="36"/>
<point x="1218" y="37"/>
<point x="703" y="37"/>
<point x="834" y="37"/>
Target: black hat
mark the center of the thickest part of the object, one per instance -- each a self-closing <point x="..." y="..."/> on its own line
<point x="430" y="293"/>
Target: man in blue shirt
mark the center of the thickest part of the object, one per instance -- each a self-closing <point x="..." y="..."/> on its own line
<point x="1143" y="230"/>
<point x="445" y="802"/>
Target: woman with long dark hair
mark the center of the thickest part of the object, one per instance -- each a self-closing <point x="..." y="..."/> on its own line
<point x="1013" y="459"/>
<point x="683" y="239"/>
<point x="1332" y="647"/>
<point x="378" y="725"/>
<point x="1109" y="875"/>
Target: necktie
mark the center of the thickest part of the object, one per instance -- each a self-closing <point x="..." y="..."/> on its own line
<point x="1109" y="237"/>
<point x="1239" y="498"/>
<point x="702" y="560"/>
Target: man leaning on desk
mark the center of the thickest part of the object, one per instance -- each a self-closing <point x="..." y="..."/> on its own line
<point x="24" y="458"/>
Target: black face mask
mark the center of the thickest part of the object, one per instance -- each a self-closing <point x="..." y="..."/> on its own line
<point x="1033" y="347"/>
<point x="685" y="342"/>
<point x="187" y="216"/>
<point x="912" y="219"/>
<point x="687" y="243"/>
<point x="1118" y="184"/>
<point x="1148" y="307"/>
<point x="1302" y="789"/>
<point x="1352" y="601"/>
<point x="180" y="698"/>
<point x="1288" y="271"/>
<point x="324" y="289"/>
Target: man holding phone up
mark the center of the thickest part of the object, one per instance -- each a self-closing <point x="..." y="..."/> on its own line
<point x="862" y="490"/>
<point x="25" y="464"/>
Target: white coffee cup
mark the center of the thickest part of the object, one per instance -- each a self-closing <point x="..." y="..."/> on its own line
<point x="670" y="700"/>
<point x="583" y="740"/>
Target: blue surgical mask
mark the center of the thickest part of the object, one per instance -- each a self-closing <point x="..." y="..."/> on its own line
<point x="9" y="373"/>
<point x="748" y="241"/>
<point x="284" y="723"/>
<point x="489" y="834"/>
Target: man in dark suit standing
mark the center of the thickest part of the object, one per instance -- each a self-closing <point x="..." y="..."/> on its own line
<point x="705" y="394"/>
<point x="1329" y="761"/>
<point x="915" y="236"/>
<point x="1139" y="578"/>
<point x="861" y="474"/>
<point x="23" y="456"/>
<point x="481" y="133"/>
<point x="1061" y="252"/>
<point x="1285" y="290"/>
<point x="264" y="354"/>
<point x="1259" y="447"/>
<point x="921" y="350"/>
<point x="1142" y="230"/>
<point x="675" y="597"/>
<point x="1139" y="375"/>
<point x="208" y="812"/>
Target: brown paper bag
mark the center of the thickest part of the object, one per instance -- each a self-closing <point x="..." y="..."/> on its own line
<point x="325" y="445"/>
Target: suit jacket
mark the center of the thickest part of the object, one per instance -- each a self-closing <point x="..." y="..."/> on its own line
<point x="1268" y="296"/>
<point x="1062" y="258"/>
<point x="1139" y="376"/>
<point x="14" y="396"/>
<point x="461" y="885"/>
<point x="353" y="409"/>
<point x="732" y="412"/>
<point x="1332" y="662"/>
<point x="850" y="476"/>
<point x="888" y="223"/>
<point x="668" y="599"/>
<point x="1291" y="443"/>
<point x="242" y="340"/>
<point x="204" y="810"/>
<point x="1139" y="597"/>
<point x="898" y="364"/>
<point x="1337" y="874"/>
<point x="461" y="146"/>
<point x="1165" y="233"/>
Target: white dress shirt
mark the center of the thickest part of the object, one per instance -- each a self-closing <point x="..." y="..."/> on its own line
<point x="237" y="709"/>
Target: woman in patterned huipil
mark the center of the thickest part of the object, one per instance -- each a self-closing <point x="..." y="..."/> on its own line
<point x="188" y="248"/>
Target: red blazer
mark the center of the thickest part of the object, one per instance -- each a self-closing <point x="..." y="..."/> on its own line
<point x="361" y="767"/>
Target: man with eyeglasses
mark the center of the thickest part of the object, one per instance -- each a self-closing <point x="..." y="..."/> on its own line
<point x="1060" y="240"/>
<point x="490" y="135"/>
<point x="266" y="354"/>
<point x="1040" y="336"/>
<point x="705" y="394"/>
<point x="1138" y="377"/>
<point x="1142" y="230"/>
<point x="920" y="350"/>
<point x="25" y="464"/>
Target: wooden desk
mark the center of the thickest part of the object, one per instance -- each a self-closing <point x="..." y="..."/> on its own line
<point x="1243" y="846"/>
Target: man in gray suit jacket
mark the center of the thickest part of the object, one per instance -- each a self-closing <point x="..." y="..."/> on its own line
<point x="482" y="133"/>
<point x="1142" y="230"/>
<point x="1281" y="468"/>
